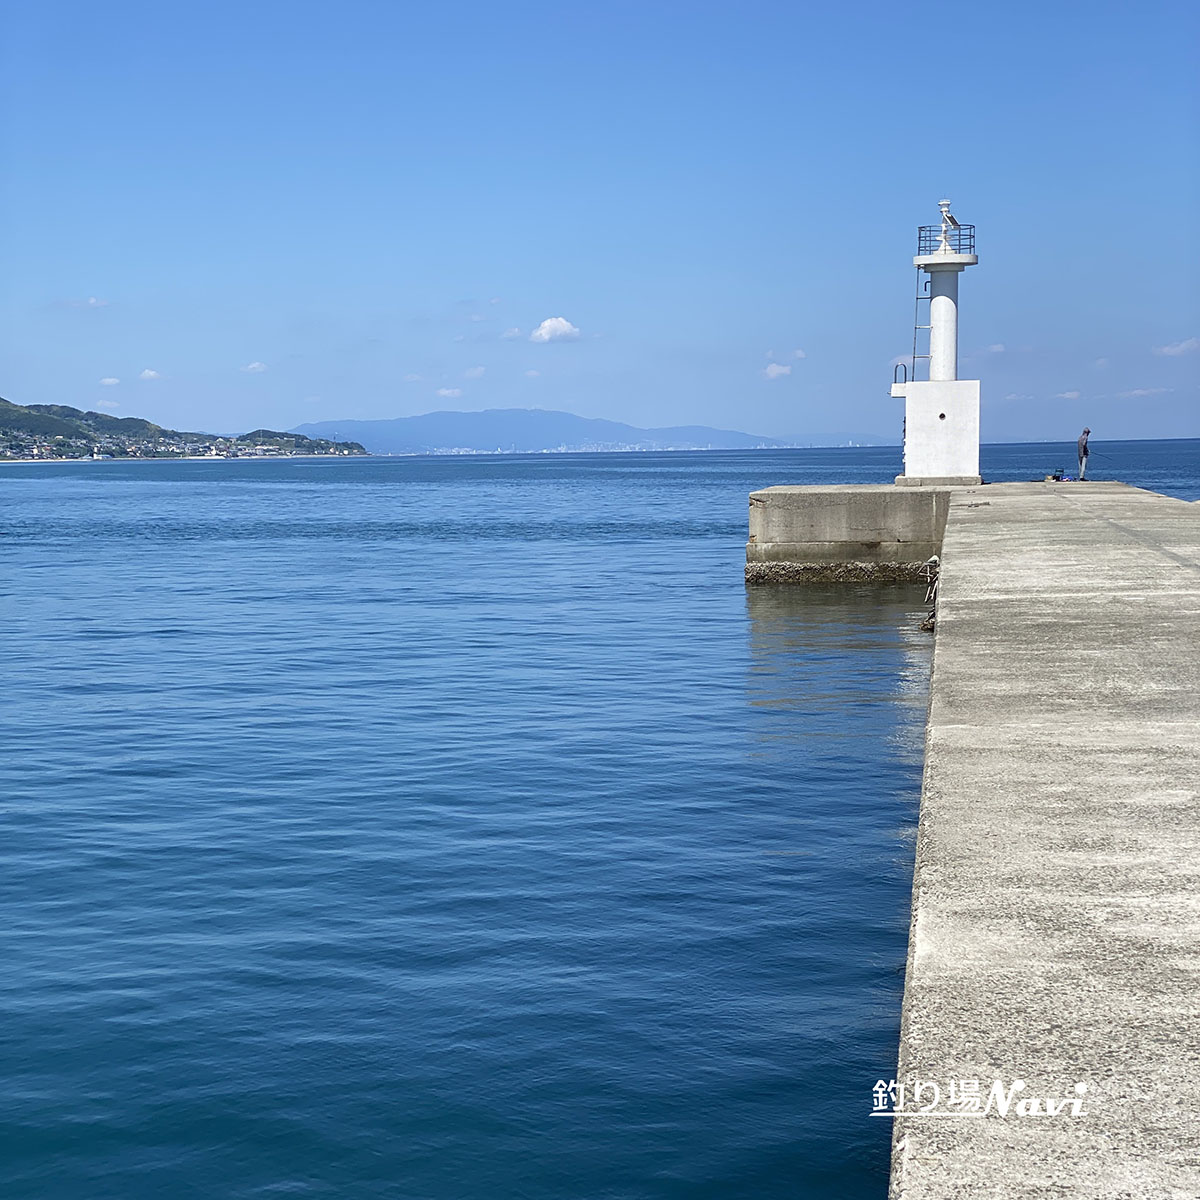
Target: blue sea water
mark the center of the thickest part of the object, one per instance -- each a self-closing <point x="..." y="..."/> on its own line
<point x="451" y="828"/>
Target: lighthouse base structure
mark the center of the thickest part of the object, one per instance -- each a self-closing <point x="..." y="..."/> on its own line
<point x="941" y="433"/>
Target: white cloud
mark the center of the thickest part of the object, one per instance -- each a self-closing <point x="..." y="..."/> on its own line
<point x="449" y="393"/>
<point x="411" y="377"/>
<point x="996" y="348"/>
<point x="477" y="317"/>
<point x="1066" y="396"/>
<point x="554" y="329"/>
<point x="460" y="337"/>
<point x="1174" y="349"/>
<point x="149" y="374"/>
<point x="494" y="300"/>
<point x="1017" y="396"/>
<point x="1138" y="393"/>
<point x="109" y="381"/>
<point x="255" y="368"/>
<point x="799" y="354"/>
<point x="511" y="334"/>
<point x="775" y="370"/>
<point x="1101" y="363"/>
<point x="474" y="372"/>
<point x="107" y="405"/>
<point x="94" y="302"/>
<point x="532" y="374"/>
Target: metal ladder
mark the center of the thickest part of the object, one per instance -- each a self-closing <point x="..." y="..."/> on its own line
<point x="922" y="296"/>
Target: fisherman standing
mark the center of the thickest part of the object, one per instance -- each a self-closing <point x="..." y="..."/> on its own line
<point x="1083" y="452"/>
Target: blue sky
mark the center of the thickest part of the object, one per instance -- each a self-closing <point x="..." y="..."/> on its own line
<point x="263" y="213"/>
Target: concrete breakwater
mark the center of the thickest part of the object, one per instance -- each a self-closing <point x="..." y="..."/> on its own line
<point x="1054" y="951"/>
<point x="851" y="532"/>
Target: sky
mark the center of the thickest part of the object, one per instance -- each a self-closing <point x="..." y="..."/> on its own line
<point x="226" y="216"/>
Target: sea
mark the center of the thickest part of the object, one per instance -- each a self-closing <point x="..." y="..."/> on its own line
<point x="454" y="827"/>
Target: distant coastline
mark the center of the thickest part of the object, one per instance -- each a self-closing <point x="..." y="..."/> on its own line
<point x="58" y="432"/>
<point x="243" y="458"/>
<point x="164" y="458"/>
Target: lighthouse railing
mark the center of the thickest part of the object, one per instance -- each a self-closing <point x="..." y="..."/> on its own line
<point x="961" y="239"/>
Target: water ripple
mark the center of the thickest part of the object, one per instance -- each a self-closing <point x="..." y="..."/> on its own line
<point x="455" y="830"/>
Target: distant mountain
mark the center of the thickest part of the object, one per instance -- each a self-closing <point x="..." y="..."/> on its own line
<point x="524" y="430"/>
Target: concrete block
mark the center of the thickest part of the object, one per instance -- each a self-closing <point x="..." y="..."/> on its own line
<point x="861" y="530"/>
<point x="941" y="429"/>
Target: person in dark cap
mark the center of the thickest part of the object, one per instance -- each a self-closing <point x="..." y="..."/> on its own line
<point x="1083" y="452"/>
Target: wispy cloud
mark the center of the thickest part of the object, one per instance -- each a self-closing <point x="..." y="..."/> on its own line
<point x="109" y="381"/>
<point x="1101" y="363"/>
<point x="449" y="393"/>
<point x="997" y="348"/>
<point x="511" y="334"/>
<point x="799" y="354"/>
<point x="1174" y="349"/>
<point x="775" y="370"/>
<point x="532" y="374"/>
<point x="474" y="372"/>
<point x="107" y="405"/>
<point x="90" y="302"/>
<point x="149" y="374"/>
<point x="412" y="377"/>
<point x="254" y="368"/>
<point x="1138" y="393"/>
<point x="1066" y="396"/>
<point x="554" y="329"/>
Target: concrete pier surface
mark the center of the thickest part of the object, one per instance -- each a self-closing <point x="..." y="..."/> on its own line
<point x="1056" y="902"/>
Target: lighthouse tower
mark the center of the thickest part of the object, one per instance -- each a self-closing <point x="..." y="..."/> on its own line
<point x="941" y="413"/>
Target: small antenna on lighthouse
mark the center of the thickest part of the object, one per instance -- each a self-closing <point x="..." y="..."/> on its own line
<point x="948" y="223"/>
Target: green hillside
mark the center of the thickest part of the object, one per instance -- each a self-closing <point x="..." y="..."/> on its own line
<point x="19" y="419"/>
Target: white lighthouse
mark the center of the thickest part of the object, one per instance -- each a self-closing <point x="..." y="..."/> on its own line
<point x="941" y="413"/>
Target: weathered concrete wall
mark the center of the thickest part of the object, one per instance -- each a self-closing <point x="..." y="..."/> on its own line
<point x="1056" y="901"/>
<point x="847" y="532"/>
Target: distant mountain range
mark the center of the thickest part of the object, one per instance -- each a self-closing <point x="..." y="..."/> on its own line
<point x="524" y="430"/>
<point x="59" y="431"/>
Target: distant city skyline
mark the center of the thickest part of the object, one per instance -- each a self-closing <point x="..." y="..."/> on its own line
<point x="261" y="216"/>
